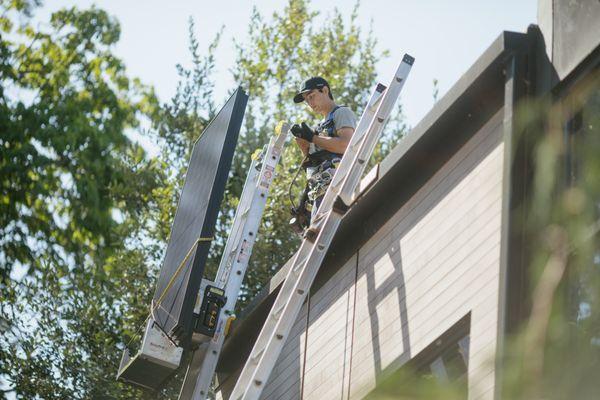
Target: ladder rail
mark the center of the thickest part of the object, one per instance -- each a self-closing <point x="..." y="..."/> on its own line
<point x="244" y="205"/>
<point x="361" y="129"/>
<point x="252" y="204"/>
<point x="366" y="146"/>
<point x="299" y="259"/>
<point x="230" y="247"/>
<point x="310" y="256"/>
<point x="198" y="355"/>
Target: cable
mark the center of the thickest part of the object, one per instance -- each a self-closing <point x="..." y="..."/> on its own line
<point x="294" y="180"/>
<point x="179" y="269"/>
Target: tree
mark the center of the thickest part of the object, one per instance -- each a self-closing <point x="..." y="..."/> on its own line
<point x="75" y="198"/>
<point x="85" y="214"/>
<point x="176" y="126"/>
<point x="279" y="54"/>
<point x="555" y="354"/>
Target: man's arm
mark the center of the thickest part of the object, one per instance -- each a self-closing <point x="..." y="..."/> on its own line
<point x="335" y="144"/>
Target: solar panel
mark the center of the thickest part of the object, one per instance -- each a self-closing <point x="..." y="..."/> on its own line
<point x="194" y="223"/>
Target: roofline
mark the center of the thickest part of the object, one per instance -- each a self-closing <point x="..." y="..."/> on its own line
<point x="477" y="95"/>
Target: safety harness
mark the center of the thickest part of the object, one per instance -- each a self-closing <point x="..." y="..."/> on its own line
<point x="320" y="156"/>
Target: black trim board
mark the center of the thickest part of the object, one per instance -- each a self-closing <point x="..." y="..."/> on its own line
<point x="397" y="377"/>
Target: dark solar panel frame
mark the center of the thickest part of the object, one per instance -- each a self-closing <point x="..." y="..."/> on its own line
<point x="195" y="218"/>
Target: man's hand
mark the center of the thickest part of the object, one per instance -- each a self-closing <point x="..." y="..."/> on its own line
<point x="303" y="132"/>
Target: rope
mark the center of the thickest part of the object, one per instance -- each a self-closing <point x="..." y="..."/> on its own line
<point x="157" y="304"/>
<point x="178" y="270"/>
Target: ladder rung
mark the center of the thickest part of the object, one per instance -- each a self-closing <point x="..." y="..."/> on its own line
<point x="256" y="358"/>
<point x="299" y="265"/>
<point x="311" y="234"/>
<point x="277" y="313"/>
<point x="319" y="218"/>
<point x="335" y="185"/>
<point x="355" y="145"/>
<point x="314" y="228"/>
<point x="359" y="135"/>
<point x="380" y="90"/>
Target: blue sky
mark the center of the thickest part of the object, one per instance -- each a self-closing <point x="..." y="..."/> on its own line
<point x="445" y="37"/>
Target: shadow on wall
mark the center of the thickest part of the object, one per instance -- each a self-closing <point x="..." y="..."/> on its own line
<point x="382" y="273"/>
<point x="372" y="288"/>
<point x="395" y="282"/>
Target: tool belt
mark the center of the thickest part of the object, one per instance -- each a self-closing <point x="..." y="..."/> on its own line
<point x="320" y="179"/>
<point x="319" y="158"/>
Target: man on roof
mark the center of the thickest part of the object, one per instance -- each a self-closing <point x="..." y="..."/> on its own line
<point x="324" y="145"/>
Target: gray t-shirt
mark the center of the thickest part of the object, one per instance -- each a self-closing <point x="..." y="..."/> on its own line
<point x="343" y="117"/>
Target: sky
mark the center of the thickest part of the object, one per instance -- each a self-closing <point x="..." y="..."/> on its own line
<point x="445" y="37"/>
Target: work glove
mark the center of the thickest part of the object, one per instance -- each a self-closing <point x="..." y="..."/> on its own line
<point x="303" y="131"/>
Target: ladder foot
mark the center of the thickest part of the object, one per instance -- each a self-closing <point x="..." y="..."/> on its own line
<point x="339" y="206"/>
<point x="311" y="235"/>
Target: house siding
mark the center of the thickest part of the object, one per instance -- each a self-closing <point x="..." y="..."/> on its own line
<point x="436" y="260"/>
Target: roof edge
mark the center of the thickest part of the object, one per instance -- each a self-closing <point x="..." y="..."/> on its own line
<point x="487" y="67"/>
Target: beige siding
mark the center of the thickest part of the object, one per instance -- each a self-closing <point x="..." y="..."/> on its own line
<point x="329" y="336"/>
<point x="285" y="381"/>
<point x="435" y="261"/>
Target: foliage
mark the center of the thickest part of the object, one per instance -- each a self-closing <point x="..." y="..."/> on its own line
<point x="75" y="196"/>
<point x="280" y="53"/>
<point x="85" y="214"/>
<point x="556" y="353"/>
<point x="177" y="125"/>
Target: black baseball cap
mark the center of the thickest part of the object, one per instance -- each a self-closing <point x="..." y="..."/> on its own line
<point x="316" y="82"/>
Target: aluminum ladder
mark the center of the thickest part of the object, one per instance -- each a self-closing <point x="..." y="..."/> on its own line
<point x="234" y="261"/>
<point x="340" y="195"/>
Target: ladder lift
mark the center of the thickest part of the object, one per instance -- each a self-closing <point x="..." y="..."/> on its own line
<point x="159" y="356"/>
<point x="339" y="197"/>
<point x="232" y="269"/>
